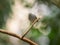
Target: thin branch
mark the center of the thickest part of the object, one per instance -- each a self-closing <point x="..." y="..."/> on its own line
<point x="18" y="36"/>
<point x="55" y="2"/>
<point x="30" y="27"/>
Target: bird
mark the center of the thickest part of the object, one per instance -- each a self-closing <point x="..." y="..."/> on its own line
<point x="32" y="17"/>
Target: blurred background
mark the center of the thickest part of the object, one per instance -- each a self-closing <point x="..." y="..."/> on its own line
<point x="50" y="25"/>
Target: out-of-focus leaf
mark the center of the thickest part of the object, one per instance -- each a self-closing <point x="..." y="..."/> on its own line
<point x="35" y="33"/>
<point x="56" y="2"/>
<point x="5" y="8"/>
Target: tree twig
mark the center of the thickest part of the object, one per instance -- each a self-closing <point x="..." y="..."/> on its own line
<point x="30" y="28"/>
<point x="56" y="2"/>
<point x="18" y="36"/>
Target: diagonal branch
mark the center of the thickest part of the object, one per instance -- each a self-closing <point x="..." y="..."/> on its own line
<point x="30" y="28"/>
<point x="18" y="36"/>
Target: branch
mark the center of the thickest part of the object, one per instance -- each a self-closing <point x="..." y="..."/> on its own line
<point x="30" y="27"/>
<point x="56" y="2"/>
<point x="18" y="36"/>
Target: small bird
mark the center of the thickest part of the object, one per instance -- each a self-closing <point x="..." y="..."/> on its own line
<point x="32" y="17"/>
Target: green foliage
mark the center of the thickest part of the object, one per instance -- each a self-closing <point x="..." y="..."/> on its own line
<point x="54" y="22"/>
<point x="4" y="11"/>
<point x="35" y="33"/>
